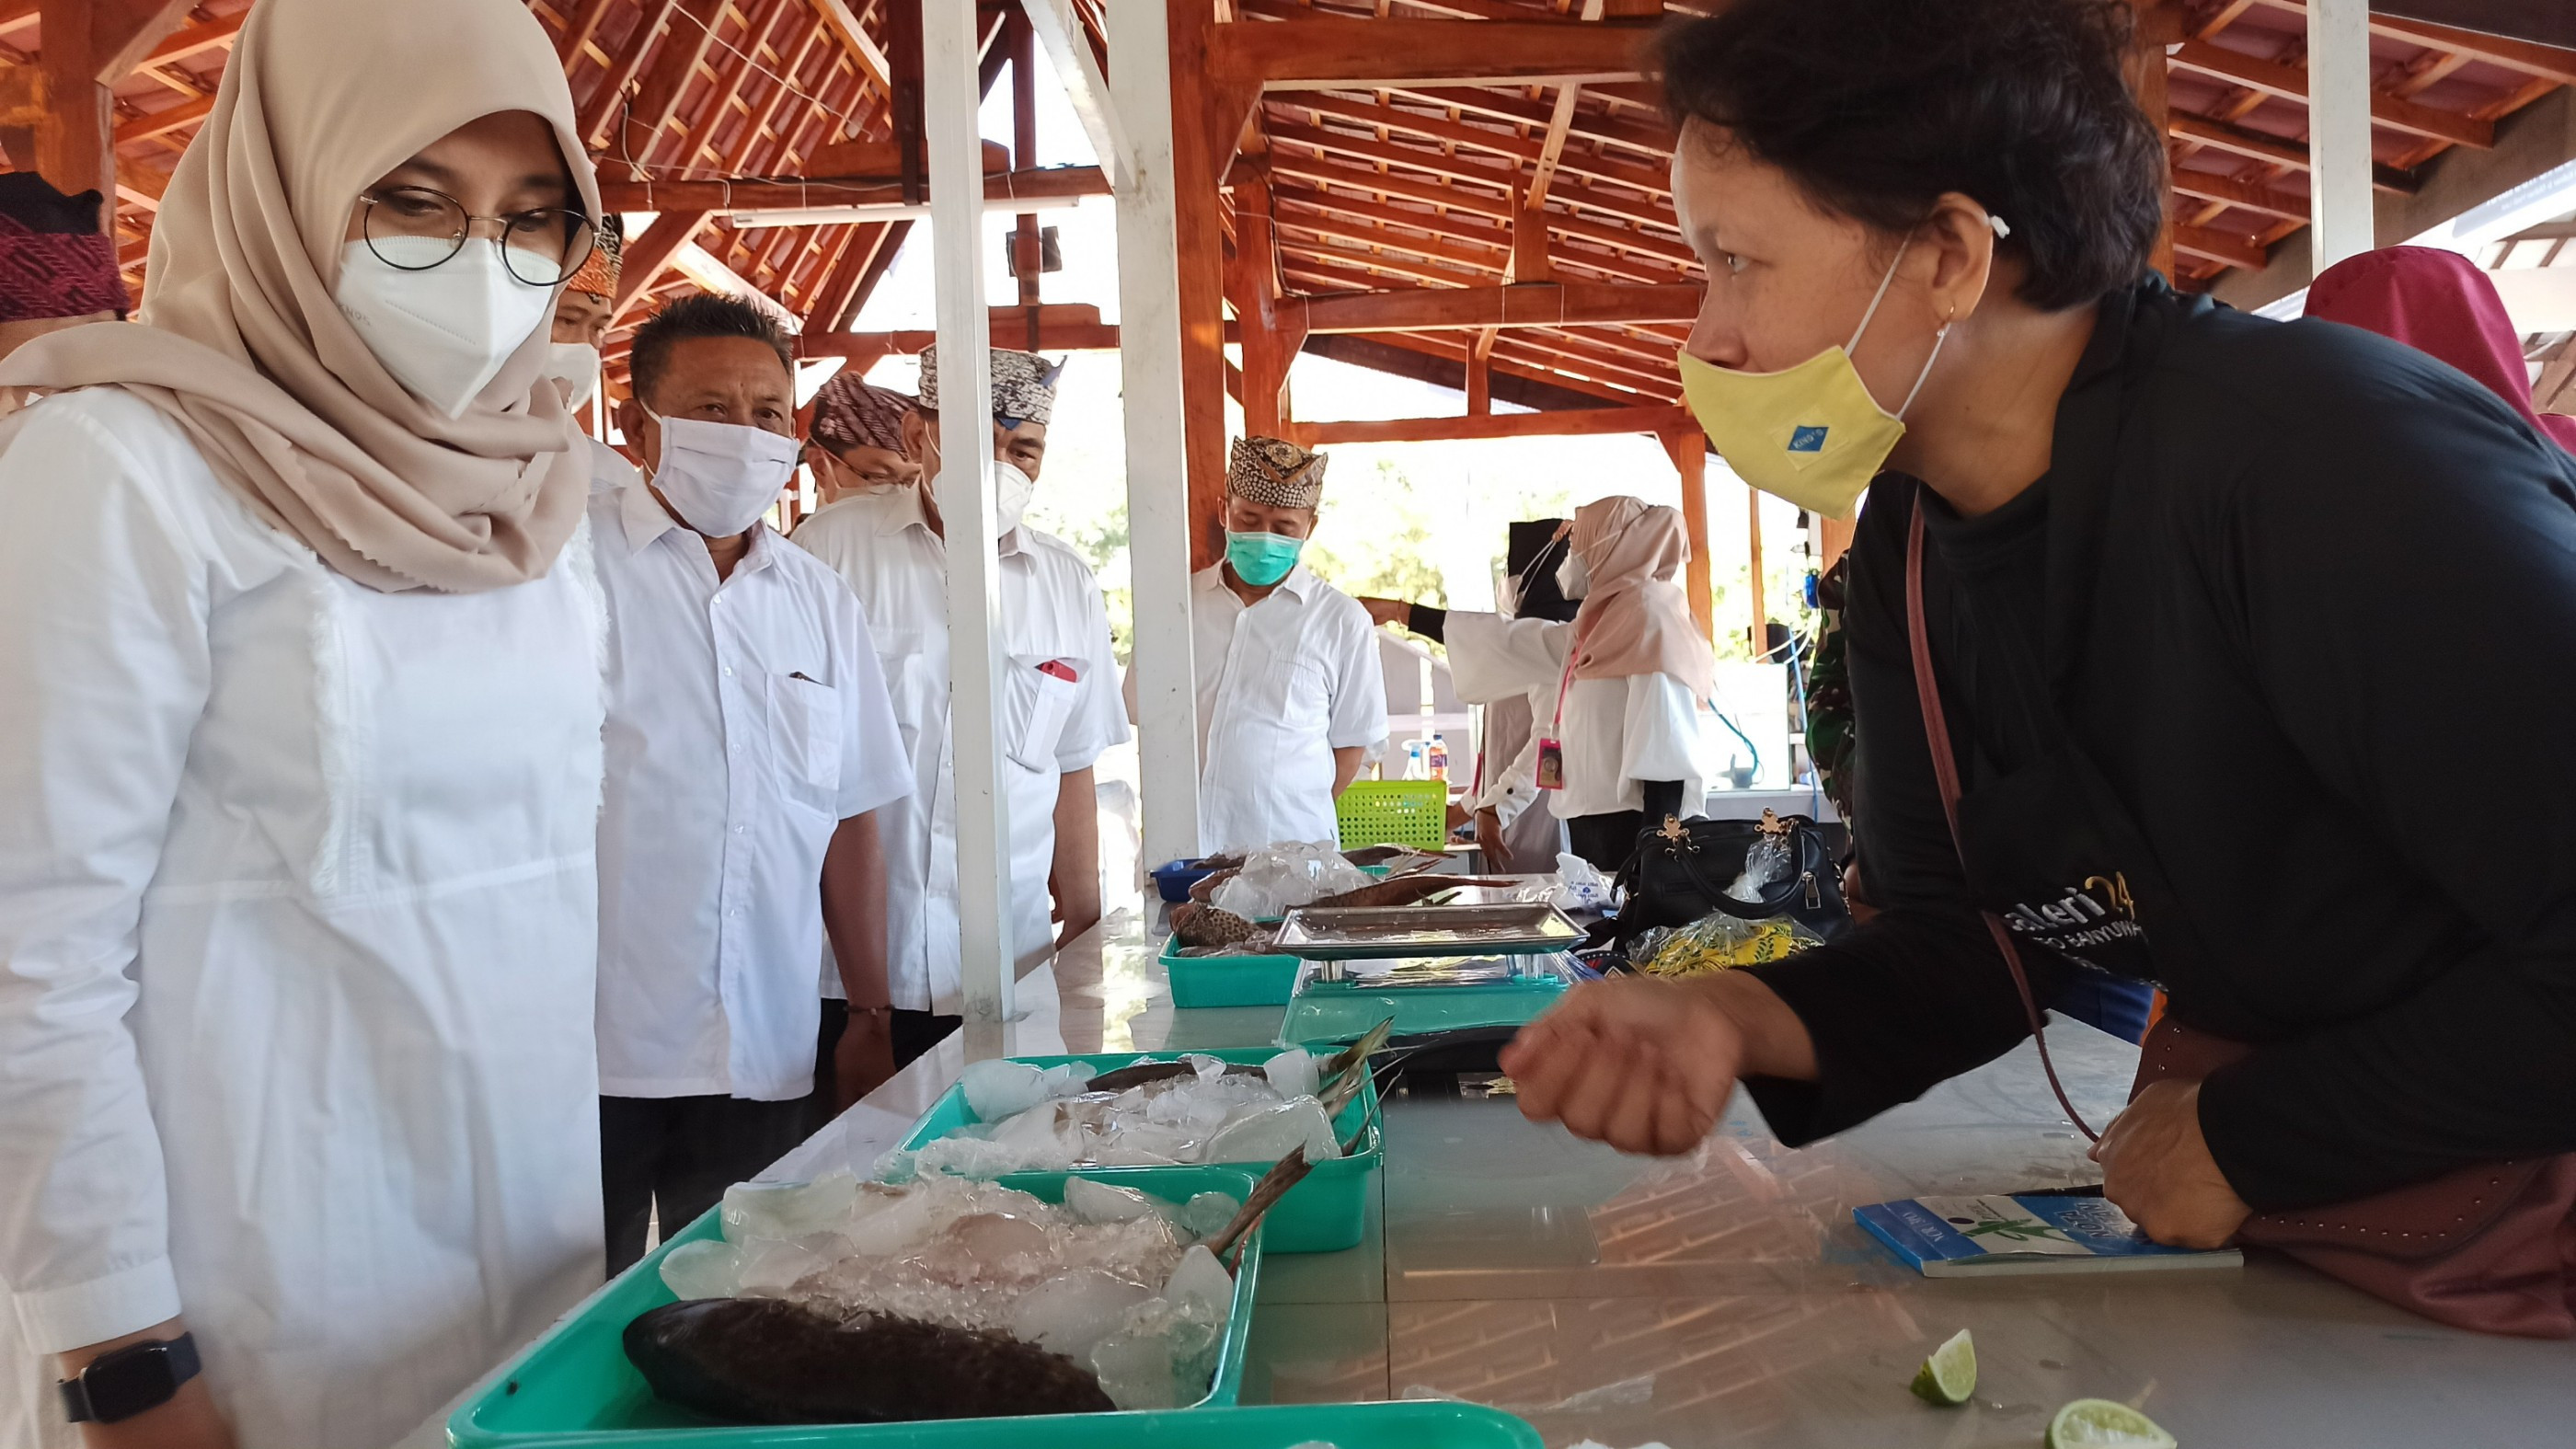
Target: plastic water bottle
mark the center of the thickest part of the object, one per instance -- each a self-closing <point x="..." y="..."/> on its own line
<point x="1439" y="757"/>
<point x="1416" y="760"/>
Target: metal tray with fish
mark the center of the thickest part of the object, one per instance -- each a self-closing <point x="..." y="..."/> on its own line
<point x="1341" y="933"/>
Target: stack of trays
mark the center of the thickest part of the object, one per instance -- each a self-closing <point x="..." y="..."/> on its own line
<point x="1428" y="968"/>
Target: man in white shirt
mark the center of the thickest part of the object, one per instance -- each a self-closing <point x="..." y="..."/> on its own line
<point x="1292" y="698"/>
<point x="748" y="741"/>
<point x="1059" y="699"/>
<point x="583" y="310"/>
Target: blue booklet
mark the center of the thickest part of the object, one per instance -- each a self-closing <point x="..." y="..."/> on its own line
<point x="1963" y="1236"/>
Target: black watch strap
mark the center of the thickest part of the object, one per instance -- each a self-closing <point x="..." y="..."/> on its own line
<point x="131" y="1380"/>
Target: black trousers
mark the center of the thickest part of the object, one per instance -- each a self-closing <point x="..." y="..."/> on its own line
<point x="1607" y="840"/>
<point x="677" y="1155"/>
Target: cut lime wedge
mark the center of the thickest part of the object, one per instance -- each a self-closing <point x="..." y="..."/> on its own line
<point x="2101" y="1424"/>
<point x="1949" y="1376"/>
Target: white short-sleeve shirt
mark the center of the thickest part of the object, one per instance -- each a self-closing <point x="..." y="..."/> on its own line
<point x="1614" y="733"/>
<point x="746" y="719"/>
<point x="1060" y="712"/>
<point x="1282" y="684"/>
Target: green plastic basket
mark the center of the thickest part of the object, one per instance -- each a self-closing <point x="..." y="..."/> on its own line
<point x="1216" y="981"/>
<point x="1326" y="1213"/>
<point x="1394" y="812"/>
<point x="574" y="1385"/>
<point x="1411" y="1424"/>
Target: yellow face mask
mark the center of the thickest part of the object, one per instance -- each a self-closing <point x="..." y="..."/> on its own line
<point x="1811" y="434"/>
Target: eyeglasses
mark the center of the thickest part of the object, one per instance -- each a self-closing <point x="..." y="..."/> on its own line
<point x="413" y="228"/>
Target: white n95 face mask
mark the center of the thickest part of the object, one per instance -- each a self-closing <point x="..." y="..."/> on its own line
<point x="720" y="477"/>
<point x="1012" y="490"/>
<point x="1572" y="579"/>
<point x="444" y="332"/>
<point x="576" y="366"/>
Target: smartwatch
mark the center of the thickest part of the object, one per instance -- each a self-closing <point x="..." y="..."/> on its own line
<point x="128" y="1381"/>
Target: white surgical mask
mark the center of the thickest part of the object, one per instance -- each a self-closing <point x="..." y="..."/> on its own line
<point x="720" y="477"/>
<point x="443" y="332"/>
<point x="576" y="366"/>
<point x="1012" y="490"/>
<point x="1572" y="579"/>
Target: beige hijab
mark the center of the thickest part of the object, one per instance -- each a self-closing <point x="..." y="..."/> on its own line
<point x="1635" y="619"/>
<point x="244" y="347"/>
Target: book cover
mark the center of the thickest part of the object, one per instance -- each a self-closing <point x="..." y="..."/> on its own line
<point x="2033" y="1233"/>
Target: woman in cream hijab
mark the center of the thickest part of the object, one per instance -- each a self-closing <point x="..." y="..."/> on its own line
<point x="299" y="763"/>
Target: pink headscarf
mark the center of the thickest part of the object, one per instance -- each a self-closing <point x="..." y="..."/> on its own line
<point x="2437" y="302"/>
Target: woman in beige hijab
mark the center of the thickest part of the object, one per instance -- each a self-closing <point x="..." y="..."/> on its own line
<point x="1620" y="734"/>
<point x="299" y="764"/>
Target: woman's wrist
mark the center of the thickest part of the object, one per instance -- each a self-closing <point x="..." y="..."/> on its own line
<point x="1772" y="1041"/>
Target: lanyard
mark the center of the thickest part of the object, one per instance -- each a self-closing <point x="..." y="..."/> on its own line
<point x="1566" y="681"/>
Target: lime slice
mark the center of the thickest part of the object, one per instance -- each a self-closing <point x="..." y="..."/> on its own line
<point x="1949" y="1376"/>
<point x="2101" y="1424"/>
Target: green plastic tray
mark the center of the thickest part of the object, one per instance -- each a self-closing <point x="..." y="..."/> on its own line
<point x="1216" y="981"/>
<point x="1323" y="1014"/>
<point x="574" y="1385"/>
<point x="1413" y="1424"/>
<point x="1326" y="1213"/>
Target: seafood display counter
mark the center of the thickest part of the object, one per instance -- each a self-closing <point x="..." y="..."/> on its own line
<point x="1728" y="1299"/>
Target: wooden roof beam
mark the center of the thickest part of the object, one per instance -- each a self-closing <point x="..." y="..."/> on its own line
<point x="1593" y="422"/>
<point x="1325" y="54"/>
<point x="1558" y="304"/>
<point x="2218" y="246"/>
<point x="853" y="36"/>
<point x="2291" y="81"/>
<point x="195" y="40"/>
<point x="2249" y="195"/>
<point x="1046" y="183"/>
<point x="2264" y="146"/>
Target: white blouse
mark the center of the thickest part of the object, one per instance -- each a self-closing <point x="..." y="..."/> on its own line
<point x="297" y="922"/>
<point x="1615" y="733"/>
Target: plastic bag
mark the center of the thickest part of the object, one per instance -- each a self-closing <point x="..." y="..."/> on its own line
<point x="1766" y="861"/>
<point x="1278" y="878"/>
<point x="1580" y="885"/>
<point x="1717" y="942"/>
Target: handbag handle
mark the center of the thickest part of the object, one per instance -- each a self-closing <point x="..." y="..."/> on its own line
<point x="1945" y="773"/>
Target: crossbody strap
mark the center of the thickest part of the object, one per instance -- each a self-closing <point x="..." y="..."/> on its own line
<point x="1945" y="772"/>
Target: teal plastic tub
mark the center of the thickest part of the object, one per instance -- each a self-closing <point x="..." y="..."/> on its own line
<point x="1326" y="1213"/>
<point x="574" y="1386"/>
<point x="1323" y="1015"/>
<point x="1413" y="1424"/>
<point x="1217" y="981"/>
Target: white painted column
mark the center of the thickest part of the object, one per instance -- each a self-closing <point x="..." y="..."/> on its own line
<point x="1158" y="489"/>
<point x="2341" y="222"/>
<point x="976" y="653"/>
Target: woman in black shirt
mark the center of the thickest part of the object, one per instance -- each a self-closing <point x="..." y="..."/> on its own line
<point x="2195" y="587"/>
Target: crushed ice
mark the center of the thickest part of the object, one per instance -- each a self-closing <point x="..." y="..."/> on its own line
<point x="1033" y="1121"/>
<point x="1112" y="1279"/>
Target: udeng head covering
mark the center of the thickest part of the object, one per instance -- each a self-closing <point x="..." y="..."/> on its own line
<point x="1275" y="473"/>
<point x="244" y="347"/>
<point x="55" y="260"/>
<point x="1023" y="385"/>
<point x="849" y="413"/>
<point x="1635" y="619"/>
<point x="598" y="274"/>
<point x="2439" y="302"/>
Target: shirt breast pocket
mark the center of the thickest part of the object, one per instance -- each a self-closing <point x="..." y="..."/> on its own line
<point x="1037" y="702"/>
<point x="806" y="718"/>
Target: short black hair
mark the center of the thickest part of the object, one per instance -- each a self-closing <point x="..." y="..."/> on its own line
<point x="701" y="314"/>
<point x="1878" y="107"/>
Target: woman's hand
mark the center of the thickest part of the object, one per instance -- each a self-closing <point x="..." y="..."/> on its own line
<point x="1387" y="611"/>
<point x="1641" y="1064"/>
<point x="2157" y="1169"/>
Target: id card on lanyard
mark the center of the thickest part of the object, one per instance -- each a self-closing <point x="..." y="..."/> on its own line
<point x="1551" y="747"/>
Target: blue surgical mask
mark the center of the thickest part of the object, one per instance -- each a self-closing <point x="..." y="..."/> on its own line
<point x="1262" y="559"/>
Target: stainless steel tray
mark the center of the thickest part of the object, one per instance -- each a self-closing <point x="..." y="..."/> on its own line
<point x="1340" y="933"/>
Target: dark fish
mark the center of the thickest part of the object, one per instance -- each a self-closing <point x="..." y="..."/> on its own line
<point x="765" y="1361"/>
<point x="1143" y="1072"/>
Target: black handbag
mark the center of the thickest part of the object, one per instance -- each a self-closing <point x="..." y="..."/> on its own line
<point x="1681" y="870"/>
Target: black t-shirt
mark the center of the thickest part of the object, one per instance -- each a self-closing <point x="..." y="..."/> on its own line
<point x="2306" y="599"/>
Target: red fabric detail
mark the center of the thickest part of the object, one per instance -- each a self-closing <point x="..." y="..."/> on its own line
<point x="2437" y="302"/>
<point x="56" y="274"/>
